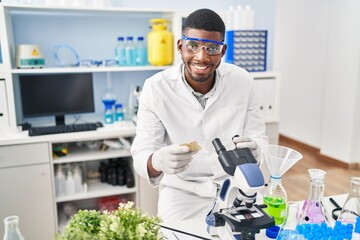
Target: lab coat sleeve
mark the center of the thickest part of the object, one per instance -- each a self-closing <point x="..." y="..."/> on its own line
<point x="150" y="134"/>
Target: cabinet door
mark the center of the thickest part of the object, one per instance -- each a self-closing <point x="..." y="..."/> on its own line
<point x="4" y="118"/>
<point x="26" y="191"/>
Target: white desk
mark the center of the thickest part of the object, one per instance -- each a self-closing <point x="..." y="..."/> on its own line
<point x="197" y="227"/>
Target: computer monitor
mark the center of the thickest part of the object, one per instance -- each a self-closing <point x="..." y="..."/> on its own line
<point x="56" y="95"/>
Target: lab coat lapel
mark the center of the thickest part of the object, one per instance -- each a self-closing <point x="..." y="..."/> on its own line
<point x="182" y="89"/>
<point x="219" y="82"/>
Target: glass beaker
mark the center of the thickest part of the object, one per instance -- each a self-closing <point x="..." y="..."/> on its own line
<point x="275" y="198"/>
<point x="351" y="209"/>
<point x="314" y="210"/>
<point x="288" y="229"/>
<point x="12" y="231"/>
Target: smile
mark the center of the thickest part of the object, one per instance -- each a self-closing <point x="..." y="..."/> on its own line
<point x="200" y="67"/>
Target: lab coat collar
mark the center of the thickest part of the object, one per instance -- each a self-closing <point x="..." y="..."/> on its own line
<point x="186" y="93"/>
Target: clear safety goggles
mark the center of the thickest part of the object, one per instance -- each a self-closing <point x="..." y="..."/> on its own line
<point x="195" y="45"/>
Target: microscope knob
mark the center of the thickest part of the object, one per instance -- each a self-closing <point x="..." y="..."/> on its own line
<point x="215" y="220"/>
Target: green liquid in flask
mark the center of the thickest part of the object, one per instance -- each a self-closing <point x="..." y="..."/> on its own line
<point x="276" y="207"/>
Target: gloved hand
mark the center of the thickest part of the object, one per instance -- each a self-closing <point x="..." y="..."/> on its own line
<point x="172" y="159"/>
<point x="246" y="142"/>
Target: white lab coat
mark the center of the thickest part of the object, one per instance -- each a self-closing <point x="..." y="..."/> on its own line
<point x="170" y="114"/>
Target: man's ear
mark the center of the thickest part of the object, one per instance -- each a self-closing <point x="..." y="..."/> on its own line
<point x="179" y="45"/>
<point x="223" y="50"/>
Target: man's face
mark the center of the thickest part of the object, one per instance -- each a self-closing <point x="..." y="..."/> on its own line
<point x="200" y="66"/>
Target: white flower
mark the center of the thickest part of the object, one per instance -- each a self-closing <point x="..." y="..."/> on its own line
<point x="140" y="230"/>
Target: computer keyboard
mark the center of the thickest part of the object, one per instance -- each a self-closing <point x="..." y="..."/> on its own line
<point x="36" y="131"/>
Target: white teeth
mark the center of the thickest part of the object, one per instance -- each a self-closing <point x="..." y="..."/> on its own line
<point x="200" y="67"/>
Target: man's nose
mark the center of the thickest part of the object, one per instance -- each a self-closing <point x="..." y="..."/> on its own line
<point x="202" y="53"/>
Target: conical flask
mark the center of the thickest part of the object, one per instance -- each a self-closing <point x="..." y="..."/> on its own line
<point x="288" y="228"/>
<point x="12" y="231"/>
<point x="279" y="159"/>
<point x="314" y="210"/>
<point x="108" y="96"/>
<point x="275" y="198"/>
<point x="351" y="209"/>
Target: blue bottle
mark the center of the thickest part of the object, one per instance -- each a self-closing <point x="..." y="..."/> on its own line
<point x="109" y="115"/>
<point x="130" y="52"/>
<point x="120" y="52"/>
<point x="119" y="113"/>
<point x="141" y="52"/>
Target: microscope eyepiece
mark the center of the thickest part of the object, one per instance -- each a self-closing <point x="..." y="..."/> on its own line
<point x="219" y="147"/>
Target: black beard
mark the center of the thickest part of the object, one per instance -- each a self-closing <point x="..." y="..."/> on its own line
<point x="199" y="79"/>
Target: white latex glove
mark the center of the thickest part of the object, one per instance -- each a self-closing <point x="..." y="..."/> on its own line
<point x="172" y="159"/>
<point x="246" y="142"/>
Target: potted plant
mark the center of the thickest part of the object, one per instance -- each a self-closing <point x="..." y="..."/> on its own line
<point x="124" y="223"/>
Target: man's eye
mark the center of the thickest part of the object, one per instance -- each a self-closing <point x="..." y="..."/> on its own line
<point x="213" y="48"/>
<point x="193" y="45"/>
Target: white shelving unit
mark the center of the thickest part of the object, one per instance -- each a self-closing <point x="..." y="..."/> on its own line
<point x="80" y="153"/>
<point x="12" y="14"/>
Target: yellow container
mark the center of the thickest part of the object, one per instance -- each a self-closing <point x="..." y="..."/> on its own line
<point x="160" y="43"/>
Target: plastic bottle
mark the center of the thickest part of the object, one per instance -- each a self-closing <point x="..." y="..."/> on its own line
<point x="130" y="112"/>
<point x="137" y="93"/>
<point x="70" y="183"/>
<point x="239" y="18"/>
<point x="78" y="179"/>
<point x="121" y="176"/>
<point x="229" y="35"/>
<point x="120" y="52"/>
<point x="12" y="231"/>
<point x="60" y="181"/>
<point x="160" y="43"/>
<point x="130" y="52"/>
<point x="249" y="16"/>
<point x="119" y="112"/>
<point x="230" y="18"/>
<point x="108" y="115"/>
<point x="141" y="52"/>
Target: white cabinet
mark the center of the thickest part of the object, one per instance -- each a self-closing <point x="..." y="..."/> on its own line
<point x="267" y="85"/>
<point x="4" y="117"/>
<point x="26" y="189"/>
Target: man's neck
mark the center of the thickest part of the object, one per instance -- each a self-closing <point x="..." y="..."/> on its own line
<point x="202" y="87"/>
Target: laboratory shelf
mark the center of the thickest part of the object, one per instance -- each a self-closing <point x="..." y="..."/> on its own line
<point x="97" y="189"/>
<point x="76" y="9"/>
<point x="85" y="154"/>
<point x="47" y="70"/>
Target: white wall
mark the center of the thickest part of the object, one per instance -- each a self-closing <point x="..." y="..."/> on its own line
<point x="317" y="52"/>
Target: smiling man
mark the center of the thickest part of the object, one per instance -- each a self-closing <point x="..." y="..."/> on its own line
<point x="199" y="99"/>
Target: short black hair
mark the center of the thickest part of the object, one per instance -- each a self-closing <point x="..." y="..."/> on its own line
<point x="204" y="19"/>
